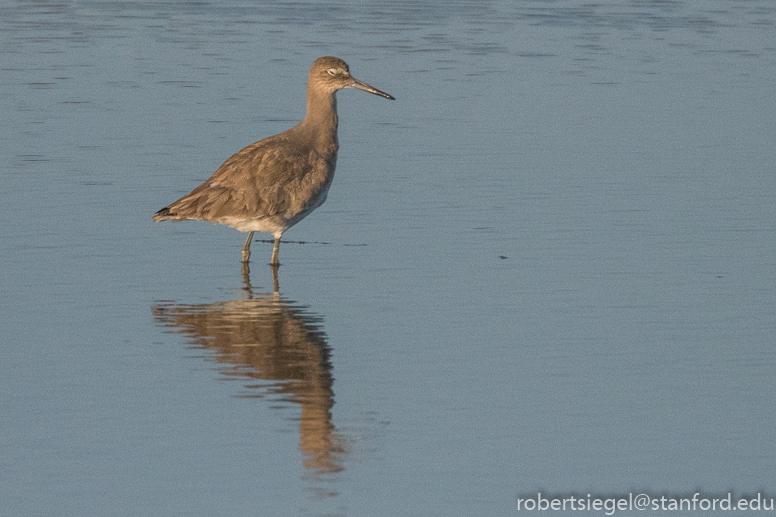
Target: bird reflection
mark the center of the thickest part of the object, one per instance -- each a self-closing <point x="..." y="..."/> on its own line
<point x="268" y="338"/>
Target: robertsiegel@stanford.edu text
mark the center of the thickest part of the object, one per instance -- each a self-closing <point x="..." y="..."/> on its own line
<point x="642" y="501"/>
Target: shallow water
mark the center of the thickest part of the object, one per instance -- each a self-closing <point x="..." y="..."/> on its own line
<point x="547" y="266"/>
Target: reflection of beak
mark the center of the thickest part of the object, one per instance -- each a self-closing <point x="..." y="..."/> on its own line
<point x="355" y="83"/>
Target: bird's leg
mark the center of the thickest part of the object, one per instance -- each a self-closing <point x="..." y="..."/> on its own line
<point x="246" y="251"/>
<point x="275" y="250"/>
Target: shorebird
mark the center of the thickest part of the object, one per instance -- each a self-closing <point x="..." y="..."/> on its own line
<point x="272" y="184"/>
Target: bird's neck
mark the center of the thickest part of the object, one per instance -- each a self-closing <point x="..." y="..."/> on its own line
<point x="321" y="120"/>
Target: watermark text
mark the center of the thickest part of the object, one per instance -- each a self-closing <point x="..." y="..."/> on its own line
<point x="642" y="501"/>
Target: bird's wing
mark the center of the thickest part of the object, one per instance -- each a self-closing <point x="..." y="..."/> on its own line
<point x="264" y="179"/>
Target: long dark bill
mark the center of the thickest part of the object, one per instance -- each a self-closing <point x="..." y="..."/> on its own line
<point x="355" y="83"/>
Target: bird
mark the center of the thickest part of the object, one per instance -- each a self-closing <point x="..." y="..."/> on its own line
<point x="272" y="184"/>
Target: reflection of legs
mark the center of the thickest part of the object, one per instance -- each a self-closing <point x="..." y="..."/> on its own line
<point x="275" y="251"/>
<point x="246" y="251"/>
<point x="246" y="274"/>
<point x="275" y="283"/>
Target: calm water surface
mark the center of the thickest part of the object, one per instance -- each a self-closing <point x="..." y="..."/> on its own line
<point x="550" y="265"/>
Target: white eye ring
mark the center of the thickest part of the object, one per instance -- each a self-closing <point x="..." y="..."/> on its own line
<point x="332" y="71"/>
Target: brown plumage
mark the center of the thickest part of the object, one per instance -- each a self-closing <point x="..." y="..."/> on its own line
<point x="271" y="185"/>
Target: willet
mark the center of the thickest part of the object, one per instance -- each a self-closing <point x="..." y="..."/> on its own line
<point x="272" y="184"/>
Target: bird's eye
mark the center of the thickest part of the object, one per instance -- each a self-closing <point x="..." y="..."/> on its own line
<point x="332" y="71"/>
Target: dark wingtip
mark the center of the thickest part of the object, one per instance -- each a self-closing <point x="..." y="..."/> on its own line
<point x="162" y="214"/>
